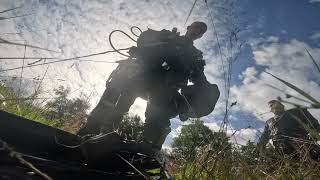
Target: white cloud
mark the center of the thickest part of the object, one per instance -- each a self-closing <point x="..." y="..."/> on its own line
<point x="248" y="76"/>
<point x="213" y="126"/>
<point x="77" y="28"/>
<point x="239" y="137"/>
<point x="286" y="60"/>
<point x="314" y="1"/>
<point x="315" y="36"/>
<point x="81" y="27"/>
<point x="242" y="136"/>
<point x="139" y="107"/>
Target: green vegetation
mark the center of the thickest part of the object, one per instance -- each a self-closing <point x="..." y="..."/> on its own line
<point x="60" y="112"/>
<point x="71" y="113"/>
<point x="214" y="157"/>
<point x="198" y="153"/>
<point x="131" y="127"/>
<point x="25" y="107"/>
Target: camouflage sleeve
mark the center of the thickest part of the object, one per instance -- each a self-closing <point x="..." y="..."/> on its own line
<point x="264" y="138"/>
<point x="197" y="76"/>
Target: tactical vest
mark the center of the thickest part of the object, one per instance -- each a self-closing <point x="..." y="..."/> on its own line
<point x="169" y="55"/>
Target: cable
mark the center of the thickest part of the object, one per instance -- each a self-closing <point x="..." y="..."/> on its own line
<point x="67" y="59"/>
<point x="135" y="27"/>
<point x="7" y="58"/>
<point x="194" y="3"/>
<point x="3" y="41"/>
<point x="77" y="57"/>
<point x="10" y="9"/>
<point x="12" y="17"/>
<point x="111" y="44"/>
<point x="225" y="75"/>
<point x="24" y="54"/>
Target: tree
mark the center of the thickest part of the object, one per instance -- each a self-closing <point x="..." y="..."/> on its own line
<point x="192" y="137"/>
<point x="131" y="127"/>
<point x="70" y="112"/>
<point x="57" y="108"/>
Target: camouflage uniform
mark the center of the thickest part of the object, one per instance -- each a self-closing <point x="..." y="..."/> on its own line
<point x="289" y="129"/>
<point x="162" y="63"/>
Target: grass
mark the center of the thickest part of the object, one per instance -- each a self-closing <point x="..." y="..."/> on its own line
<point x="210" y="163"/>
<point x="26" y="107"/>
<point x="247" y="162"/>
<point x="236" y="164"/>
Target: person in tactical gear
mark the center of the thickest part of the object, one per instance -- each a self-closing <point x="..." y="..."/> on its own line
<point x="162" y="63"/>
<point x="291" y="131"/>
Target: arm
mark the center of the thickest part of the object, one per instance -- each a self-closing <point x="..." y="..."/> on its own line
<point x="197" y="76"/>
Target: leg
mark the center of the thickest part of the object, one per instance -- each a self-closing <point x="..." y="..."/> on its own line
<point x="109" y="111"/>
<point x="161" y="107"/>
<point x="121" y="91"/>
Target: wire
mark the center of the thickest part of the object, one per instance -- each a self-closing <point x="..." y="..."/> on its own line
<point x="73" y="58"/>
<point x="24" y="54"/>
<point x="10" y="9"/>
<point x="195" y="1"/>
<point x="63" y="60"/>
<point x="111" y="44"/>
<point x="225" y="75"/>
<point x="23" y="44"/>
<point x="12" y="17"/>
<point x="26" y="58"/>
<point x="135" y="27"/>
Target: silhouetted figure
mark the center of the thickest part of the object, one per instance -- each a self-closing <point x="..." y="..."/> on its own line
<point x="162" y="63"/>
<point x="292" y="131"/>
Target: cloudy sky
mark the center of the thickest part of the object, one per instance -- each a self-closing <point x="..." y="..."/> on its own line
<point x="255" y="35"/>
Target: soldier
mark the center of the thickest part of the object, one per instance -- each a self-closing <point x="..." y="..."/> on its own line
<point x="162" y="63"/>
<point x="290" y="130"/>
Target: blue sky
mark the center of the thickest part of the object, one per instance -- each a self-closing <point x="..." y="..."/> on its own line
<point x="275" y="33"/>
<point x="285" y="19"/>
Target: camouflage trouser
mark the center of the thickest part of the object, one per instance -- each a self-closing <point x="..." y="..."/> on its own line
<point x="298" y="148"/>
<point x="107" y="115"/>
<point x="284" y="146"/>
<point x="116" y="101"/>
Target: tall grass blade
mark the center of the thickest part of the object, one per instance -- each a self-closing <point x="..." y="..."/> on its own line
<point x="313" y="60"/>
<point x="288" y="95"/>
<point x="306" y="95"/>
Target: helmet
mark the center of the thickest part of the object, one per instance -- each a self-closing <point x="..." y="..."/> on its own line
<point x="201" y="25"/>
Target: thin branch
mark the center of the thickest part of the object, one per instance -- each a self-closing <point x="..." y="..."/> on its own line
<point x="7" y="10"/>
<point x="3" y="41"/>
